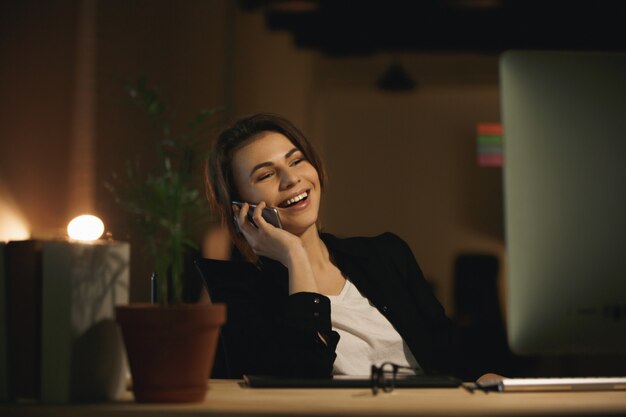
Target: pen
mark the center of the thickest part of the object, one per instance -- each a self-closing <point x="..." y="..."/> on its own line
<point x="153" y="288"/>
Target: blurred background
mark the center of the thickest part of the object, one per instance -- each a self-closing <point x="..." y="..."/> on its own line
<point x="391" y="93"/>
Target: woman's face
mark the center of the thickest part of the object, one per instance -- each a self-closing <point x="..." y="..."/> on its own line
<point x="270" y="168"/>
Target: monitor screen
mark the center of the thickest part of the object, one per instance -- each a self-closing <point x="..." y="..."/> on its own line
<point x="564" y="119"/>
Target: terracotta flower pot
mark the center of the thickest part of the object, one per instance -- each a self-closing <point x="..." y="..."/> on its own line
<point x="170" y="349"/>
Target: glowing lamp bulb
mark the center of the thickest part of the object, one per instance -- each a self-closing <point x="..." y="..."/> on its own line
<point x="85" y="227"/>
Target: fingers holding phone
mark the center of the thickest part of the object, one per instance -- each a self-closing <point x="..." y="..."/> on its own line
<point x="269" y="214"/>
<point x="261" y="227"/>
<point x="256" y="221"/>
<point x="241" y="212"/>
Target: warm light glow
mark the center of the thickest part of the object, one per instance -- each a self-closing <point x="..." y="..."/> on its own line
<point x="85" y="227"/>
<point x="13" y="225"/>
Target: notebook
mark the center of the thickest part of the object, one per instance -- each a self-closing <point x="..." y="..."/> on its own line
<point x="345" y="381"/>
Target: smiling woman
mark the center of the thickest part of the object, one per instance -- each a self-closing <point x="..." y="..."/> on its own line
<point x="318" y="305"/>
<point x="285" y="179"/>
<point x="244" y="165"/>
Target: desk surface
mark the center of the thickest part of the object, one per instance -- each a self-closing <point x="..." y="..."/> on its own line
<point x="229" y="398"/>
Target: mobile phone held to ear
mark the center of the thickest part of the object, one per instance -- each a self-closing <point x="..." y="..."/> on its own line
<point x="270" y="214"/>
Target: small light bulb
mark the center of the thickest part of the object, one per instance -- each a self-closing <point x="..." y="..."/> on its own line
<point x="85" y="227"/>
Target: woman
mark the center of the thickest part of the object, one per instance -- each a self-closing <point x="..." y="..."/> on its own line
<point x="318" y="305"/>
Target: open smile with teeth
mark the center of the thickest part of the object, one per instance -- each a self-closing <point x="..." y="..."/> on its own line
<point x="294" y="200"/>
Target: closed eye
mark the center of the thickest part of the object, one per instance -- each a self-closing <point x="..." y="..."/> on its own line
<point x="264" y="176"/>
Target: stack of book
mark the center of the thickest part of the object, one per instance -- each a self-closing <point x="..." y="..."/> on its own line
<point x="62" y="343"/>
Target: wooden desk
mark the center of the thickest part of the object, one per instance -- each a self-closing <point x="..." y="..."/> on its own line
<point x="228" y="398"/>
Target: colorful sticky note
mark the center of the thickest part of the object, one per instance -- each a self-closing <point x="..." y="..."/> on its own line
<point x="489" y="144"/>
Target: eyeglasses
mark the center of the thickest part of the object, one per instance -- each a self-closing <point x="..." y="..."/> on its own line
<point x="383" y="377"/>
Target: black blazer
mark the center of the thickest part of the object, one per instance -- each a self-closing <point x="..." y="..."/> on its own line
<point x="269" y="331"/>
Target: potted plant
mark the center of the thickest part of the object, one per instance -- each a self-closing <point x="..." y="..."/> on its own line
<point x="170" y="344"/>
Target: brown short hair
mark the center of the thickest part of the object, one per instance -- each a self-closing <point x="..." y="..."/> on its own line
<point x="220" y="184"/>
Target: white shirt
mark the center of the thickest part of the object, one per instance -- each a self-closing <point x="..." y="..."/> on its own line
<point x="366" y="336"/>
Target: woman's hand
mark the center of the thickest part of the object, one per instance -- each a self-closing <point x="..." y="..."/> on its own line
<point x="278" y="244"/>
<point x="488" y="377"/>
<point x="265" y="239"/>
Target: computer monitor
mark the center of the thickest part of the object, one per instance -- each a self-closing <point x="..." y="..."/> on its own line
<point x="564" y="119"/>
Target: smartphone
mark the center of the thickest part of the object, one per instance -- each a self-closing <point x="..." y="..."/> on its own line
<point x="270" y="214"/>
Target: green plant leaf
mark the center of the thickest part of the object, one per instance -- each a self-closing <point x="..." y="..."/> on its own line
<point x="166" y="203"/>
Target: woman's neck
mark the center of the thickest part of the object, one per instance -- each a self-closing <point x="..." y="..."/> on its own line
<point x="315" y="248"/>
<point x="328" y="277"/>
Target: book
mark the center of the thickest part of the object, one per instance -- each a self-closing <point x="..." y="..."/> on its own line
<point x="23" y="296"/>
<point x="82" y="351"/>
<point x="4" y="371"/>
<point x="63" y="344"/>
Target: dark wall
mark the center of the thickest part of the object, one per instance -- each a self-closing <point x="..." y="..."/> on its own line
<point x="178" y="47"/>
<point x="37" y="60"/>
